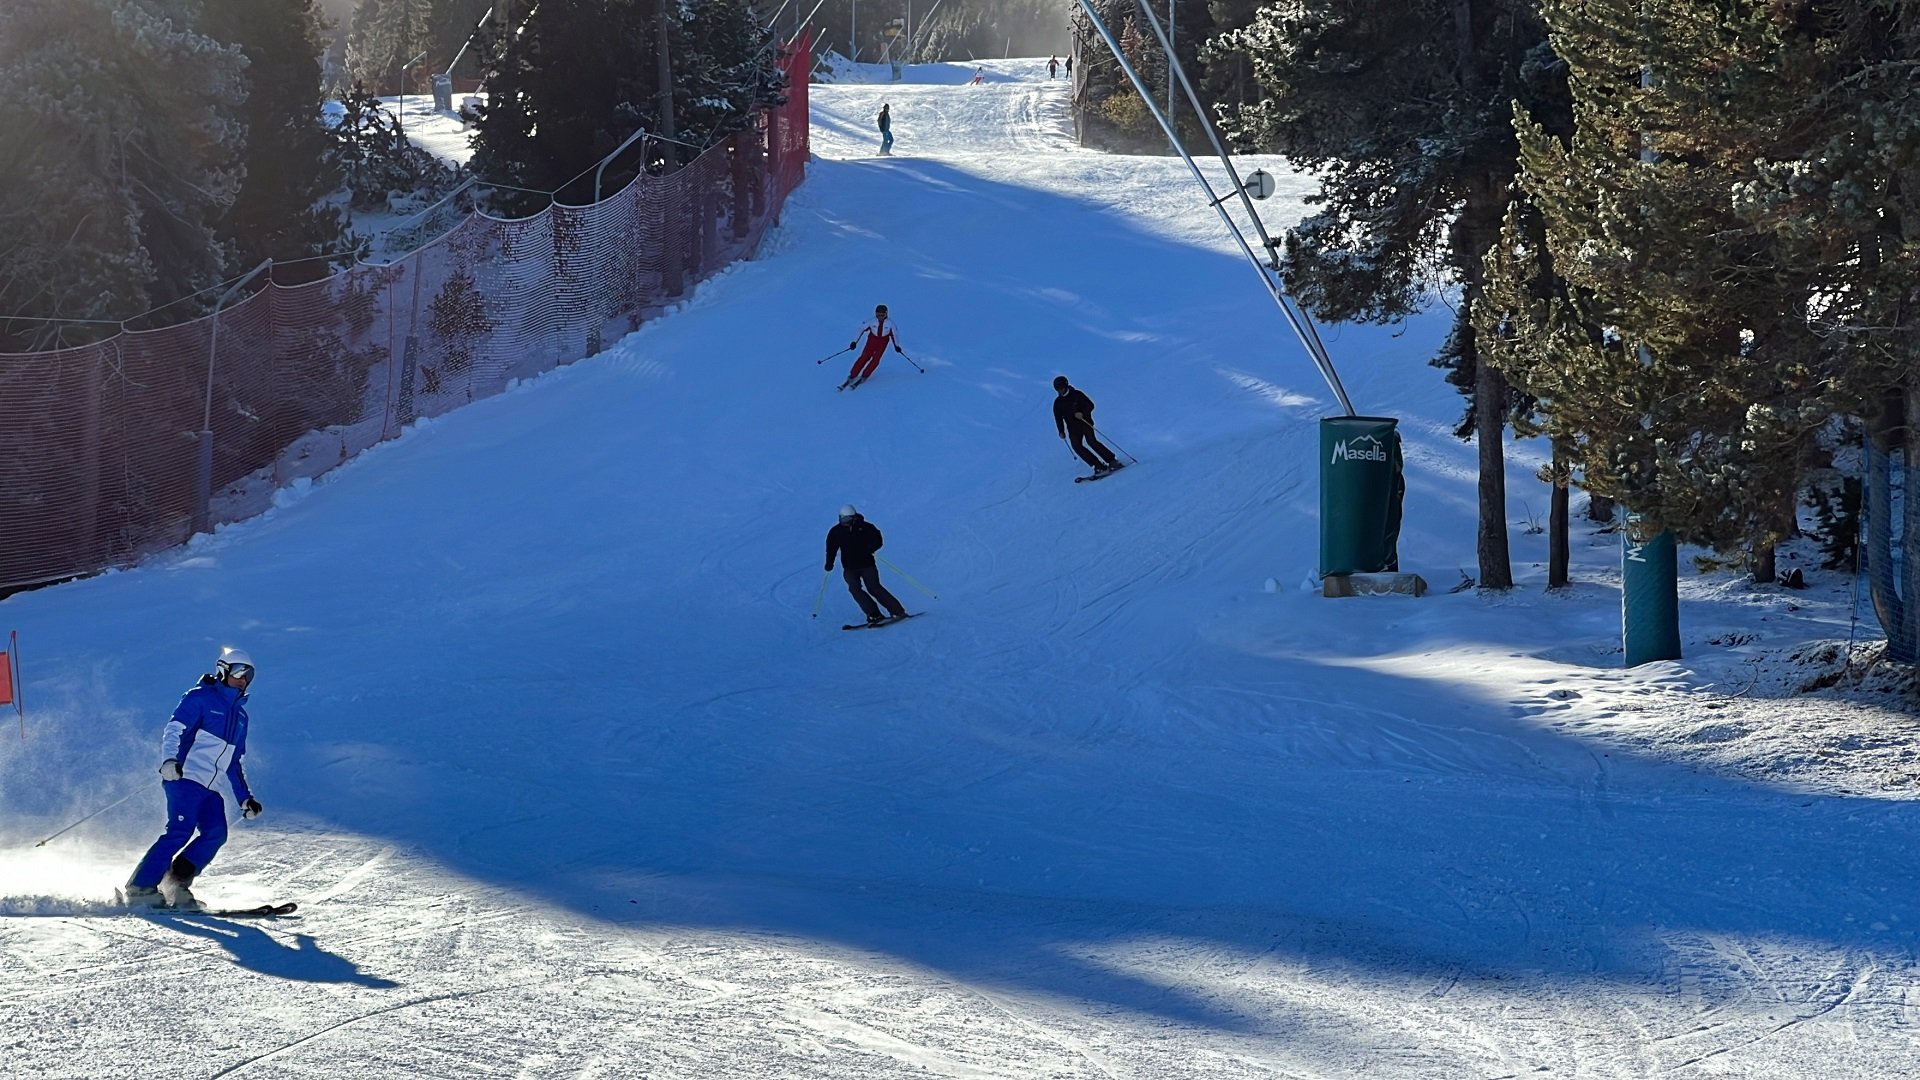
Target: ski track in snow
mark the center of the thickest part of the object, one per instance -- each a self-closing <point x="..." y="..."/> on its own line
<point x="568" y="783"/>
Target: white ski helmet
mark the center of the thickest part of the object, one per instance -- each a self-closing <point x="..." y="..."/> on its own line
<point x="234" y="662"/>
<point x="848" y="513"/>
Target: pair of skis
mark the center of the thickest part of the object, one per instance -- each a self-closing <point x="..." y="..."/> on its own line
<point x="1099" y="475"/>
<point x="851" y="384"/>
<point x="883" y="622"/>
<point x="262" y="911"/>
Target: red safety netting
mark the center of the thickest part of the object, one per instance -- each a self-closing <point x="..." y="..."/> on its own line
<point x="100" y="446"/>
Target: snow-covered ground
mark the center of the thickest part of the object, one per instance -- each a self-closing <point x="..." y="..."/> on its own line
<point x="569" y="783"/>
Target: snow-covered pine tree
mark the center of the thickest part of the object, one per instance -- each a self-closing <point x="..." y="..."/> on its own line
<point x="122" y="152"/>
<point x="1403" y="108"/>
<point x="375" y="158"/>
<point x="724" y="65"/>
<point x="281" y="211"/>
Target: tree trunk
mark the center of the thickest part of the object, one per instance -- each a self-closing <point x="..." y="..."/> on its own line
<point x="1558" y="553"/>
<point x="1765" y="563"/>
<point x="1473" y="234"/>
<point x="1910" y="539"/>
<point x="663" y="60"/>
<point x="1896" y="618"/>
<point x="1490" y="414"/>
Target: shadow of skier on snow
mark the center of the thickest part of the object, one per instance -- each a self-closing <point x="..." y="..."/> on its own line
<point x="255" y="949"/>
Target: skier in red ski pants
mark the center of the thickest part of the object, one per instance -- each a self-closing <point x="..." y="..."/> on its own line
<point x="879" y="334"/>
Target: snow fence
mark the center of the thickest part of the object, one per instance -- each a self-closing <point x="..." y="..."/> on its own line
<point x="100" y="460"/>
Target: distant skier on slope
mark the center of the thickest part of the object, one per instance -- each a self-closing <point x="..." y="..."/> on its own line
<point x="886" y="129"/>
<point x="855" y="539"/>
<point x="1073" y="418"/>
<point x="879" y="334"/>
<point x="206" y="736"/>
<point x="1053" y="66"/>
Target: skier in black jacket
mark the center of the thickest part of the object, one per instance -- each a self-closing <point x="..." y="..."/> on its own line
<point x="855" y="540"/>
<point x="1073" y="418"/>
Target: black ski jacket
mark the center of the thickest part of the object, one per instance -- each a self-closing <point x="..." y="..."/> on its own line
<point x="1066" y="405"/>
<point x="855" y="541"/>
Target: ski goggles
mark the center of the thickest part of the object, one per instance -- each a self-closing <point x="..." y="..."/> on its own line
<point x="243" y="672"/>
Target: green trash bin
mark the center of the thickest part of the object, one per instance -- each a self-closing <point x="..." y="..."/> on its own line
<point x="1362" y="486"/>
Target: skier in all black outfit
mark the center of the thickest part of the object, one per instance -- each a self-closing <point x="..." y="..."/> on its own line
<point x="855" y="540"/>
<point x="1073" y="418"/>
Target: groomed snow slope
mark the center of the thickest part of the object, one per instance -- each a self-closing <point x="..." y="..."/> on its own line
<point x="569" y="783"/>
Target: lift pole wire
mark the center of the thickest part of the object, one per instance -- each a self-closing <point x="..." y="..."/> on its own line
<point x="1267" y="243"/>
<point x="1309" y="340"/>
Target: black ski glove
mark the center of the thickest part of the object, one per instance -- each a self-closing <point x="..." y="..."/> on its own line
<point x="851" y="344"/>
<point x="896" y="348"/>
<point x="169" y="770"/>
<point x="251" y="808"/>
<point x="829" y="566"/>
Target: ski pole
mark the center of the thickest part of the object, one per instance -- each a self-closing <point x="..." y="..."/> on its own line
<point x="95" y="814"/>
<point x="1103" y="435"/>
<point x="908" y="577"/>
<point x="824" y="359"/>
<point x="916" y="367"/>
<point x="823" y="592"/>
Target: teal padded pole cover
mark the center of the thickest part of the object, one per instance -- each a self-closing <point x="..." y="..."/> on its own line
<point x="1649" y="594"/>
<point x="1362" y="486"/>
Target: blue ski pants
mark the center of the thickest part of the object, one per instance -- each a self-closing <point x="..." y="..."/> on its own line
<point x="190" y="808"/>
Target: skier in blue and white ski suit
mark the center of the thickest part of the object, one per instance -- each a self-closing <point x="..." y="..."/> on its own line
<point x="206" y="737"/>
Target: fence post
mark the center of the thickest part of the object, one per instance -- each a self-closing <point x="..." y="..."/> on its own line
<point x="673" y="269"/>
<point x="409" y="352"/>
<point x="776" y="159"/>
<point x="709" y="228"/>
<point x="737" y="151"/>
<point x="203" y="465"/>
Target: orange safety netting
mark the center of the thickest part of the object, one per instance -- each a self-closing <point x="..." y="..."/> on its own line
<point x="100" y="445"/>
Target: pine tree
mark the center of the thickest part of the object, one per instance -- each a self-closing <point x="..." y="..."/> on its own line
<point x="385" y="35"/>
<point x="722" y="69"/>
<point x="578" y="79"/>
<point x="281" y="210"/>
<point x="122" y="152"/>
<point x="374" y="158"/>
<point x="563" y="92"/>
<point x="1843" y="198"/>
<point x="1403" y="109"/>
<point x="452" y="24"/>
<point x="953" y="30"/>
<point x="1672" y="355"/>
